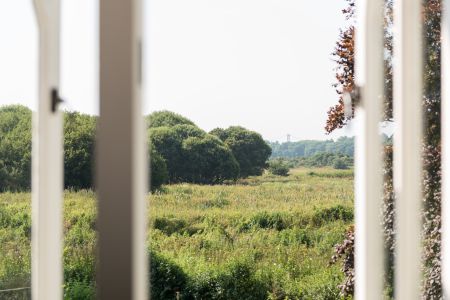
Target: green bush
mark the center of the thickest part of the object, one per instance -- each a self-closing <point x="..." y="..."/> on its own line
<point x="169" y="225"/>
<point x="338" y="212"/>
<point x="264" y="220"/>
<point x="340" y="164"/>
<point x="79" y="290"/>
<point x="166" y="278"/>
<point x="234" y="281"/>
<point x="278" y="167"/>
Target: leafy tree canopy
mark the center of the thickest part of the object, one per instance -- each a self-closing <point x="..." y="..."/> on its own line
<point x="166" y="118"/>
<point x="79" y="140"/>
<point x="15" y="148"/>
<point x="192" y="155"/>
<point x="248" y="147"/>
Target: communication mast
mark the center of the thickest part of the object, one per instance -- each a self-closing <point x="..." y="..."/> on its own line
<point x="288" y="138"/>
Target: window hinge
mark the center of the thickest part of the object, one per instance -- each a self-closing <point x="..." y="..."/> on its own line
<point x="55" y="99"/>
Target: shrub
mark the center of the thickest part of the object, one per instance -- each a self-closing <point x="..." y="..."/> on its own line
<point x="235" y="281"/>
<point x="265" y="220"/>
<point x="169" y="226"/>
<point x="334" y="213"/>
<point x="340" y="164"/>
<point x="79" y="290"/>
<point x="166" y="278"/>
<point x="278" y="167"/>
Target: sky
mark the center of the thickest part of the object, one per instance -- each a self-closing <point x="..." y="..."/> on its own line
<point x="262" y="64"/>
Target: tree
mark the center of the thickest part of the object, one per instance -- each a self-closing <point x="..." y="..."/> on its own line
<point x="15" y="148"/>
<point x="210" y="161"/>
<point x="166" y="118"/>
<point x="306" y="148"/>
<point x="192" y="155"/>
<point x="79" y="141"/>
<point x="158" y="169"/>
<point x="248" y="147"/>
<point x="168" y="144"/>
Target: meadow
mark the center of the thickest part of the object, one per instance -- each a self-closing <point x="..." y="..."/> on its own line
<point x="266" y="237"/>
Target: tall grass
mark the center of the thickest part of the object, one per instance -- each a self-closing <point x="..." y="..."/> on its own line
<point x="264" y="237"/>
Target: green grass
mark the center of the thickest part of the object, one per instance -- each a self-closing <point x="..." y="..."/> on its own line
<point x="265" y="237"/>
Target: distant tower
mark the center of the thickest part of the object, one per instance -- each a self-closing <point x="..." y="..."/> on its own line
<point x="288" y="138"/>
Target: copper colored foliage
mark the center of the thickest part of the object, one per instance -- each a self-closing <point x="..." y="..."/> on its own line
<point x="344" y="57"/>
<point x="346" y="252"/>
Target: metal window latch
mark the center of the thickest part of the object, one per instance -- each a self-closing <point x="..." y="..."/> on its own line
<point x="352" y="99"/>
<point x="55" y="99"/>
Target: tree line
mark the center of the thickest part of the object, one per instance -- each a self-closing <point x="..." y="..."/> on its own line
<point x="179" y="150"/>
<point x="306" y="148"/>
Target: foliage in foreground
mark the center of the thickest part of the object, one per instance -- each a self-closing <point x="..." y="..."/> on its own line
<point x="267" y="237"/>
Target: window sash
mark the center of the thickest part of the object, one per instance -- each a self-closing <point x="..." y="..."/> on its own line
<point x="47" y="162"/>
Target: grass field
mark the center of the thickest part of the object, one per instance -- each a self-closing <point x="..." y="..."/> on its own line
<point x="265" y="237"/>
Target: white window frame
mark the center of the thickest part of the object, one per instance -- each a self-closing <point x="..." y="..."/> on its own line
<point x="368" y="168"/>
<point x="121" y="155"/>
<point x="407" y="144"/>
<point x="408" y="116"/>
<point x="47" y="161"/>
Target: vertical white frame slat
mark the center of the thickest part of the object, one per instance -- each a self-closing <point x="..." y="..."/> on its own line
<point x="408" y="116"/>
<point x="121" y="155"/>
<point x="47" y="162"/>
<point x="445" y="84"/>
<point x="368" y="180"/>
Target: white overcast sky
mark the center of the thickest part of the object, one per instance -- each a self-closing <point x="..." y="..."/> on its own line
<point x="262" y="64"/>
